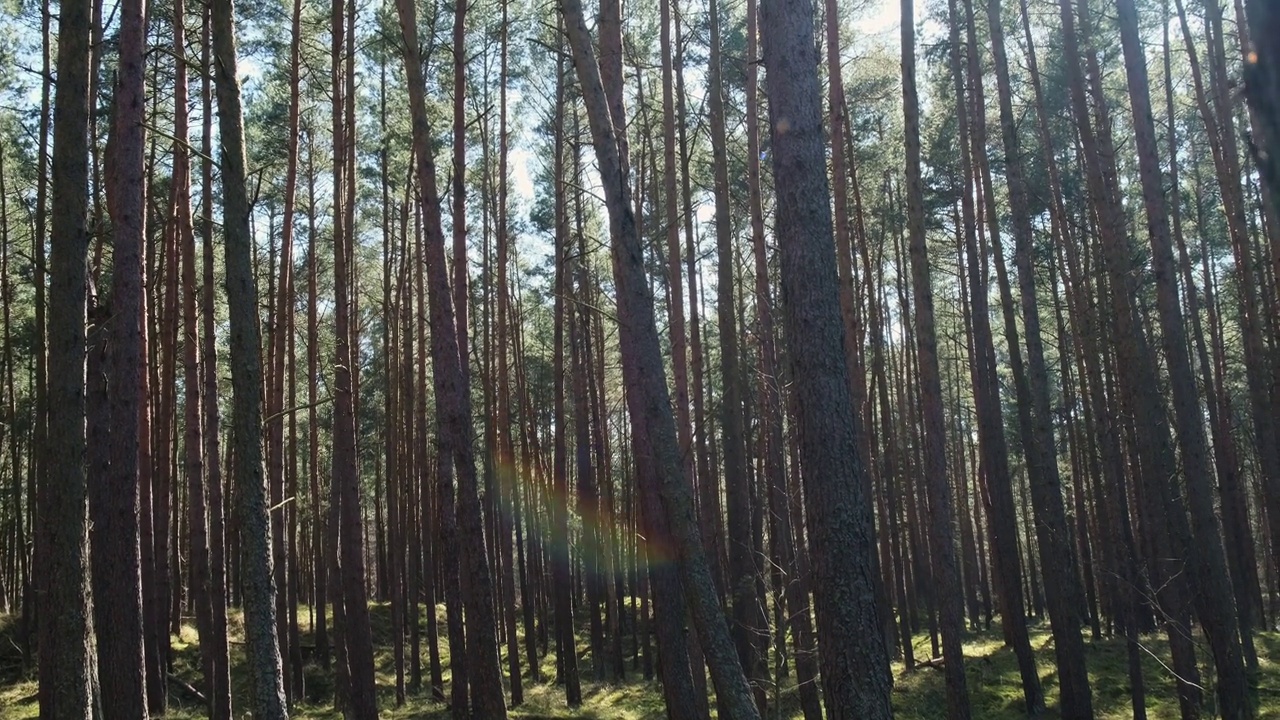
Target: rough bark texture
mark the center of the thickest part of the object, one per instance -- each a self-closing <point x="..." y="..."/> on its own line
<point x="265" y="670"/>
<point x="854" y="659"/>
<point x="66" y="662"/>
<point x="781" y="533"/>
<point x="113" y="499"/>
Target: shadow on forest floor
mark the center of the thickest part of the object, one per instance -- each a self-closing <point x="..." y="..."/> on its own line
<point x="994" y="685"/>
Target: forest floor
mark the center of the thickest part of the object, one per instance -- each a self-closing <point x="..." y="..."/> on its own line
<point x="994" y="686"/>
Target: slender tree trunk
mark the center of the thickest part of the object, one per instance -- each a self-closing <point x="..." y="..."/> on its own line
<point x="1057" y="557"/>
<point x="566" y="638"/>
<point x="1136" y="375"/>
<point x="648" y="400"/>
<point x="509" y="476"/>
<point x="748" y="614"/>
<point x="942" y="533"/>
<point x="193" y="438"/>
<point x="37" y="478"/>
<point x="991" y="434"/>
<point x="1204" y="550"/>
<point x="361" y="700"/>
<point x="1239" y="548"/>
<point x="266" y="681"/>
<point x="278" y="350"/>
<point x="453" y="399"/>
<point x="219" y="690"/>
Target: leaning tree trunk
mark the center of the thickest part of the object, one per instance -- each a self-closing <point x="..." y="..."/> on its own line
<point x="453" y="400"/>
<point x="1217" y="608"/>
<point x="650" y="407"/>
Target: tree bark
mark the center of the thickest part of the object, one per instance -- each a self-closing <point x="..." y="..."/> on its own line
<point x="991" y="434"/>
<point x="642" y="366"/>
<point x="1217" y="608"/>
<point x="113" y="500"/>
<point x="265" y="672"/>
<point x="67" y="672"/>
<point x="453" y="399"/>
<point x="854" y="659"/>
<point x="219" y="685"/>
<point x="1057" y="557"/>
<point x="749" y="623"/>
<point x="941" y="520"/>
<point x="566" y="638"/>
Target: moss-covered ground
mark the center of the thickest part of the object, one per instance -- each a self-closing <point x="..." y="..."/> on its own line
<point x="994" y="684"/>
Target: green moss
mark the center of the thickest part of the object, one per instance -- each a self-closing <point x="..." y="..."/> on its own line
<point x="994" y="683"/>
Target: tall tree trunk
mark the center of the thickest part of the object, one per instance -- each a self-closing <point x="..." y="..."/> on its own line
<point x="1057" y="556"/>
<point x="356" y="633"/>
<point x="675" y="283"/>
<point x="37" y="478"/>
<point x="1216" y="111"/>
<point x="941" y="525"/>
<point x="648" y="401"/>
<point x="841" y="535"/>
<point x="1239" y="548"/>
<point x="193" y="438"/>
<point x="566" y="638"/>
<point x="1138" y="385"/>
<point x="781" y="533"/>
<point x="265" y="672"/>
<point x="1217" y="609"/>
<point x="453" y="399"/>
<point x="113" y="500"/>
<point x="319" y="579"/>
<point x="509" y="476"/>
<point x="219" y="689"/>
<point x="991" y="434"/>
<point x="278" y="345"/>
<point x="67" y="672"/>
<point x="748" y="615"/>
